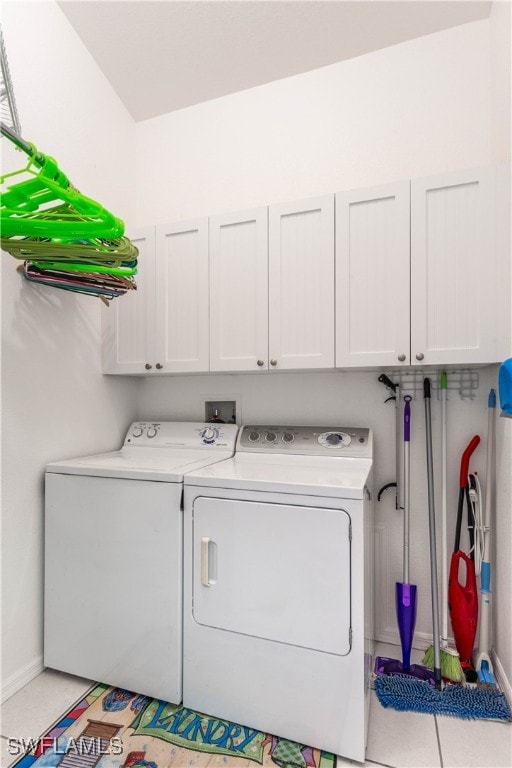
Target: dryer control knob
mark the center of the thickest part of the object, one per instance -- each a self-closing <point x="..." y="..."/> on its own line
<point x="137" y="431"/>
<point x="254" y="437"/>
<point x="271" y="437"/>
<point x="151" y="432"/>
<point x="333" y="439"/>
<point x="288" y="437"/>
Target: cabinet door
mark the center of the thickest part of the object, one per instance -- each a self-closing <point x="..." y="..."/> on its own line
<point x="372" y="276"/>
<point x="127" y="335"/>
<point x="239" y="291"/>
<point x="301" y="284"/>
<point x="270" y="571"/>
<point x="182" y="297"/>
<point x="457" y="300"/>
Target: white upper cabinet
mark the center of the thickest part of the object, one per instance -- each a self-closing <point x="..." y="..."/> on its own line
<point x="372" y="276"/>
<point x="127" y="329"/>
<point x="411" y="273"/>
<point x="162" y="327"/>
<point x="301" y="284"/>
<point x="239" y="291"/>
<point x="460" y="284"/>
<point x="181" y="317"/>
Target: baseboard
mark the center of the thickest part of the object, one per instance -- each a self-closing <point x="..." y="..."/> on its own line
<point x="421" y="640"/>
<point x="501" y="677"/>
<point x="15" y="682"/>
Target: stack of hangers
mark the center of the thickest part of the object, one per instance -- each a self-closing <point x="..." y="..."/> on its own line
<point x="66" y="240"/>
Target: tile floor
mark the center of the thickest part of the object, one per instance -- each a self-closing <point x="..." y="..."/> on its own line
<point x="396" y="739"/>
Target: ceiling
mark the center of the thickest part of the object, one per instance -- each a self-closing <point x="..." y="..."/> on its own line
<point x="166" y="55"/>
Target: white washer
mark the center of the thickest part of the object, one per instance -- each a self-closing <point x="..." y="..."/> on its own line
<point x="113" y="556"/>
<point x="278" y="577"/>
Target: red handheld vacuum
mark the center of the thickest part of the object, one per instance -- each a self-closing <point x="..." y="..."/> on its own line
<point x="463" y="598"/>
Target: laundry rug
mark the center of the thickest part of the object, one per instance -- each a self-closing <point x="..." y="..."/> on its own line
<point x="114" y="728"/>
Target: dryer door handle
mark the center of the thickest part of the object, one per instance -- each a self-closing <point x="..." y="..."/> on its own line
<point x="205" y="561"/>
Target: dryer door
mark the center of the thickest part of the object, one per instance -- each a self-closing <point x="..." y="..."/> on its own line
<point x="276" y="571"/>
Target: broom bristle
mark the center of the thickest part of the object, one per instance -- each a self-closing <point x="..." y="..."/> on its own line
<point x="450" y="664"/>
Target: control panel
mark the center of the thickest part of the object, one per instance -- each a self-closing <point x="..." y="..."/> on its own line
<point x="181" y="434"/>
<point x="321" y="441"/>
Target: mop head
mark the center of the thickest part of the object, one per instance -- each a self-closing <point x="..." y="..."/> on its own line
<point x="408" y="694"/>
<point x="451" y="668"/>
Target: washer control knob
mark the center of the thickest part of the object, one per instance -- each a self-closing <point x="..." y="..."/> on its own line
<point x="137" y="431"/>
<point x="271" y="437"/>
<point x="288" y="437"/>
<point x="209" y="434"/>
<point x="254" y="437"/>
<point x="334" y="439"/>
<point x="151" y="431"/>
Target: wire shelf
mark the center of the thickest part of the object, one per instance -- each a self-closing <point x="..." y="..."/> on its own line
<point x="8" y="111"/>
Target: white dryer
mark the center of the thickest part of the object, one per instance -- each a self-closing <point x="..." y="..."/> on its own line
<point x="278" y="577"/>
<point x="113" y="556"/>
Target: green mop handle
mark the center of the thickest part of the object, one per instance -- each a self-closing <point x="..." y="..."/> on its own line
<point x="432" y="534"/>
<point x="444" y="516"/>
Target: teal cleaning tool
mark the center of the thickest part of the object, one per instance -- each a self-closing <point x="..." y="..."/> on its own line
<point x="483" y="664"/>
<point x="505" y="387"/>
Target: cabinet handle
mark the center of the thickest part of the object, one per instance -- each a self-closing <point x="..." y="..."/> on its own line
<point x="420" y="356"/>
<point x="260" y="363"/>
<point x="273" y="361"/>
<point x="401" y="358"/>
<point x="159" y="366"/>
<point x="148" y="367"/>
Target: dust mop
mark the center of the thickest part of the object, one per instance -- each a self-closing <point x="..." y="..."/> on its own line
<point x="467" y="702"/>
<point x="405" y="592"/>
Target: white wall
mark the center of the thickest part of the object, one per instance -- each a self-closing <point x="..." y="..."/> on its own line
<point x="418" y="108"/>
<point x="501" y="65"/>
<point x="413" y="109"/>
<point x="55" y="402"/>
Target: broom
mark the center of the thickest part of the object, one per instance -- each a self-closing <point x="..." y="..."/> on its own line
<point x="451" y="668"/>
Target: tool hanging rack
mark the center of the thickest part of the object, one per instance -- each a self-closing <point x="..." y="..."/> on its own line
<point x="65" y="239"/>
<point x="464" y="381"/>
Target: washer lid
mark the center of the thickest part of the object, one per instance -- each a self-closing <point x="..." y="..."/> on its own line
<point x="138" y="463"/>
<point x="307" y="475"/>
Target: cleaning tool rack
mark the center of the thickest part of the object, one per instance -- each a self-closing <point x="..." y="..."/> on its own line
<point x="464" y="381"/>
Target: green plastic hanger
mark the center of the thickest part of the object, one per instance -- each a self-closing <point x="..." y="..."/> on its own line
<point x="24" y="207"/>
